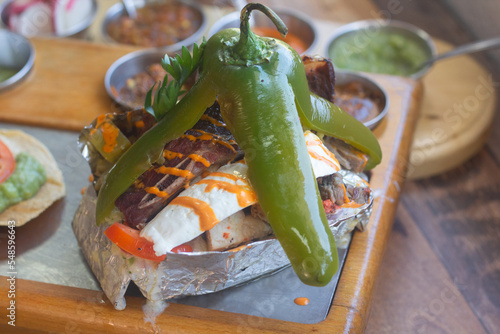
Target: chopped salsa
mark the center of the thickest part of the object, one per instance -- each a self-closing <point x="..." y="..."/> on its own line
<point x="157" y="24"/>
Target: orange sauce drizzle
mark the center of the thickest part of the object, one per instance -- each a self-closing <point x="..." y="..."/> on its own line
<point x="205" y="136"/>
<point x="316" y="156"/>
<point x="318" y="143"/>
<point x="237" y="249"/>
<point x="139" y="124"/>
<point x="91" y="178"/>
<point x="200" y="208"/>
<point x="244" y="194"/>
<point x="175" y="171"/>
<point x="169" y="155"/>
<point x="347" y="202"/>
<point x="227" y="176"/>
<point x="351" y="204"/>
<point x="301" y="301"/>
<point x="156" y="191"/>
<point x="138" y="184"/>
<point x="129" y="117"/>
<point x="212" y="120"/>
<point x="109" y="133"/>
<point x="199" y="158"/>
<point x="361" y="155"/>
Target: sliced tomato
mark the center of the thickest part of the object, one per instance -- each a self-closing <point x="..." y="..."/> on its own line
<point x="129" y="240"/>
<point x="7" y="162"/>
<point x="184" y="248"/>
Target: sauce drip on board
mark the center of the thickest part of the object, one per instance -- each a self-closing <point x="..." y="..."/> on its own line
<point x="301" y="301"/>
<point x="291" y="39"/>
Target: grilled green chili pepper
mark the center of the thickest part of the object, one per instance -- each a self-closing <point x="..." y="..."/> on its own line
<point x="262" y="89"/>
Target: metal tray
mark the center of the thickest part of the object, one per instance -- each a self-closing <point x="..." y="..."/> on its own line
<point x="47" y="251"/>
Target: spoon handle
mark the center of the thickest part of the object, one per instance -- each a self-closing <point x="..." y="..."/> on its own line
<point x="470" y="48"/>
<point x="130" y="8"/>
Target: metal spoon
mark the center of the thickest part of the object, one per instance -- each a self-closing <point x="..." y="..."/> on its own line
<point x="130" y="8"/>
<point x="477" y="46"/>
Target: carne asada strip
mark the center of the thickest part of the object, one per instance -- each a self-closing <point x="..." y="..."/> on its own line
<point x="208" y="144"/>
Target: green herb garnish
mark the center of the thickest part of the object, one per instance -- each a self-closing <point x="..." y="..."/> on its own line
<point x="180" y="69"/>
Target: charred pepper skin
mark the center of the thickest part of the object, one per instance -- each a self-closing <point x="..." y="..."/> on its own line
<point x="262" y="88"/>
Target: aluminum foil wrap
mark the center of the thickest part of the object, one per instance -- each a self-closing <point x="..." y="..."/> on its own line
<point x="194" y="273"/>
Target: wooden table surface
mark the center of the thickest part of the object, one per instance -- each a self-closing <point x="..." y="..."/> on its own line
<point x="441" y="270"/>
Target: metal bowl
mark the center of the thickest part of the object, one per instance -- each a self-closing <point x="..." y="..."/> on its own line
<point x="346" y="77"/>
<point x="77" y="31"/>
<point x="373" y="26"/>
<point x="116" y="11"/>
<point x="298" y="24"/>
<point x="18" y="54"/>
<point x="128" y="66"/>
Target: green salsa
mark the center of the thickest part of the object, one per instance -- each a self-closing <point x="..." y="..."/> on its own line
<point x="6" y="73"/>
<point x="23" y="183"/>
<point x="378" y="51"/>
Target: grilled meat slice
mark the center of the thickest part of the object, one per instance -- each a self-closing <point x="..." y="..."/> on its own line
<point x="208" y="145"/>
<point x="348" y="157"/>
<point x="320" y="76"/>
<point x="332" y="187"/>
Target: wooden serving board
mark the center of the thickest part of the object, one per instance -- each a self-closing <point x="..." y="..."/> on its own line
<point x="65" y="89"/>
<point x="66" y="309"/>
<point x="456" y="115"/>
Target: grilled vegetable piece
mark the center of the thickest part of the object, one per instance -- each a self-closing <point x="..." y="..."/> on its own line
<point x="107" y="138"/>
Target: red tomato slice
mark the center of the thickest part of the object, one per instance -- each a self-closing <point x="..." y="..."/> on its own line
<point x="7" y="162"/>
<point x="184" y="248"/>
<point x="129" y="240"/>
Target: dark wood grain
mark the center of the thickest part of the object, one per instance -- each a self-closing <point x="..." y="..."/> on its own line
<point x="450" y="222"/>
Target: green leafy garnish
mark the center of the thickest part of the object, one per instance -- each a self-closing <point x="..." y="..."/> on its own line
<point x="180" y="69"/>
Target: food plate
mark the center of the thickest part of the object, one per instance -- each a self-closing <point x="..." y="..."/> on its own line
<point x="52" y="229"/>
<point x="73" y="302"/>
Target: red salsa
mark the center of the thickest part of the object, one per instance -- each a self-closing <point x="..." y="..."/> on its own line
<point x="360" y="102"/>
<point x="157" y="24"/>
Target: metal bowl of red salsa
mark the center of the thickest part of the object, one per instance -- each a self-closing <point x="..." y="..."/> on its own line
<point x="302" y="35"/>
<point x="361" y="97"/>
<point x="160" y="24"/>
<point x="129" y="78"/>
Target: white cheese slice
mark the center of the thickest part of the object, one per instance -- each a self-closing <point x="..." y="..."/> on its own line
<point x="323" y="161"/>
<point x="200" y="207"/>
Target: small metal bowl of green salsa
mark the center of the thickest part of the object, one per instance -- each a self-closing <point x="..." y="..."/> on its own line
<point x="378" y="46"/>
<point x="16" y="59"/>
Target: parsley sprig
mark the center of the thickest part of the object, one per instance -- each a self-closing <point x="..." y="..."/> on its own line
<point x="180" y="69"/>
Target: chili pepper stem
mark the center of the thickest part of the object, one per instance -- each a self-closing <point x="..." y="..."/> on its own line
<point x="251" y="46"/>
